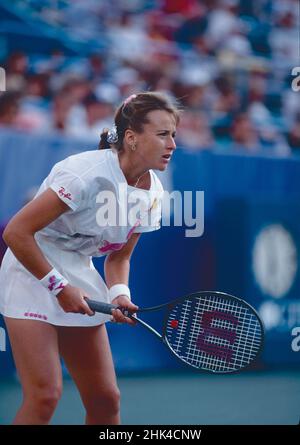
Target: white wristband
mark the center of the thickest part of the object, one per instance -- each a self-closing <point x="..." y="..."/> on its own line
<point x="54" y="282"/>
<point x="119" y="289"/>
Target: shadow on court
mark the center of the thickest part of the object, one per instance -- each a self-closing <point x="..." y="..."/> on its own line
<point x="248" y="398"/>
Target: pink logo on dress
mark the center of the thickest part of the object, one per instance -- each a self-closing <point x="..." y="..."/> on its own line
<point x="61" y="192"/>
<point x="117" y="246"/>
<point x="35" y="315"/>
<point x="110" y="246"/>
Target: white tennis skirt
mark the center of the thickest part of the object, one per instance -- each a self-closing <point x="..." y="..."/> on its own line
<point x="23" y="296"/>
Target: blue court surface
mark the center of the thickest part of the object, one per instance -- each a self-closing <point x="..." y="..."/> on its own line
<point x="256" y="398"/>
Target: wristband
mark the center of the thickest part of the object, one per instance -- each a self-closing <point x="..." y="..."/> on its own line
<point x="54" y="282"/>
<point x="119" y="289"/>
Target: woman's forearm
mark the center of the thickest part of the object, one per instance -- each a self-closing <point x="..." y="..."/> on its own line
<point x="116" y="271"/>
<point x="117" y="264"/>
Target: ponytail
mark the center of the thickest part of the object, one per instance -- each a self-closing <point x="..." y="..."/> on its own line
<point x="104" y="144"/>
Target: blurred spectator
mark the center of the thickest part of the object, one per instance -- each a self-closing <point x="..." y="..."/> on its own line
<point x="158" y="29"/>
<point x="77" y="87"/>
<point x="16" y="68"/>
<point x="194" y="132"/>
<point x="255" y="98"/>
<point x="236" y="42"/>
<point x="77" y="90"/>
<point x="127" y="80"/>
<point x="108" y="93"/>
<point x="223" y="20"/>
<point x="273" y="142"/>
<point x="61" y="107"/>
<point x="193" y="27"/>
<point x="96" y="67"/>
<point x="33" y="113"/>
<point x="261" y="116"/>
<point x="98" y="115"/>
<point x="259" y="113"/>
<point x="243" y="134"/>
<point x="51" y="64"/>
<point x="291" y="105"/>
<point x="9" y="106"/>
<point x="286" y="29"/>
<point x="128" y="40"/>
<point x="226" y="100"/>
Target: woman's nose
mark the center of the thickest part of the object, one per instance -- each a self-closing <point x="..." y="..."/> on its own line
<point x="172" y="143"/>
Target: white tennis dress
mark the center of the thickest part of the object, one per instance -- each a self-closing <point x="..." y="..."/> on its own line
<point x="104" y="212"/>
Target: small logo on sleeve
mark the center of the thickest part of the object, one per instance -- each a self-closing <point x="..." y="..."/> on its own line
<point x="62" y="193"/>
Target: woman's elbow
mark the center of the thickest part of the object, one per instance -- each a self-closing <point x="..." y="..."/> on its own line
<point x="7" y="235"/>
<point x="12" y="235"/>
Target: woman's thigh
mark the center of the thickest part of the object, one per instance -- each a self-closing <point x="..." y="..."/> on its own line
<point x="87" y="355"/>
<point x="36" y="354"/>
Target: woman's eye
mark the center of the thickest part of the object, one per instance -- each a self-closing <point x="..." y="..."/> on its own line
<point x="166" y="134"/>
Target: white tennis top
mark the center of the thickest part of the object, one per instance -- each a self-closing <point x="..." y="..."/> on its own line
<point x="104" y="209"/>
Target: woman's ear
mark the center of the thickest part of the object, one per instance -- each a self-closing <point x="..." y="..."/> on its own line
<point x="129" y="137"/>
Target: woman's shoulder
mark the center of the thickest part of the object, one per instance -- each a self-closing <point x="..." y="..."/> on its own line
<point x="85" y="164"/>
<point x="85" y="159"/>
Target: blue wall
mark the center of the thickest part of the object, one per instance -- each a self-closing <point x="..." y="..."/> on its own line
<point x="243" y="195"/>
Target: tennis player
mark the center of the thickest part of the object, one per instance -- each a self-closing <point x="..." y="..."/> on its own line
<point x="47" y="271"/>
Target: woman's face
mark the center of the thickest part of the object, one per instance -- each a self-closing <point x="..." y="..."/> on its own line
<point x="156" y="144"/>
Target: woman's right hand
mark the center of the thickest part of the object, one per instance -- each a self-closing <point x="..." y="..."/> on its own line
<point x="72" y="299"/>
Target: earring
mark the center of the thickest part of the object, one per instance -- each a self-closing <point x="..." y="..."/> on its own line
<point x="133" y="147"/>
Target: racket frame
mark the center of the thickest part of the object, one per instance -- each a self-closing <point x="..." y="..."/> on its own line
<point x="179" y="300"/>
<point x="107" y="308"/>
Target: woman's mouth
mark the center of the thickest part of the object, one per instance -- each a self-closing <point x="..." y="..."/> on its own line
<point x="166" y="157"/>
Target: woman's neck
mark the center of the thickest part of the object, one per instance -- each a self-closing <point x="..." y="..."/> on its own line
<point x="132" y="171"/>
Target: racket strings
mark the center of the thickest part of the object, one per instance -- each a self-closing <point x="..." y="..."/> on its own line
<point x="214" y="333"/>
<point x="242" y="354"/>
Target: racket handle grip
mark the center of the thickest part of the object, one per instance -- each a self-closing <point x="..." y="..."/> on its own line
<point x="103" y="308"/>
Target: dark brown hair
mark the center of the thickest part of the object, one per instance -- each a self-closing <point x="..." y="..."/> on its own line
<point x="133" y="114"/>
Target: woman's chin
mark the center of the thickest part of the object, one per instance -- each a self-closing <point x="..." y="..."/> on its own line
<point x="162" y="166"/>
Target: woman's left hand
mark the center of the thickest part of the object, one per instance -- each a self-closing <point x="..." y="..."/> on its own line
<point x="124" y="302"/>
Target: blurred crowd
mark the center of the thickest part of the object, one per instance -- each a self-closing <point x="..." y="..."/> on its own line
<point x="227" y="62"/>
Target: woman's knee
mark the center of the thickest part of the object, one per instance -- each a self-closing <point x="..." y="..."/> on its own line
<point x="105" y="399"/>
<point x="43" y="399"/>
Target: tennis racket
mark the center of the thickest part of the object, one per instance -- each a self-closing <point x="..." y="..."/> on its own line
<point x="210" y="331"/>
